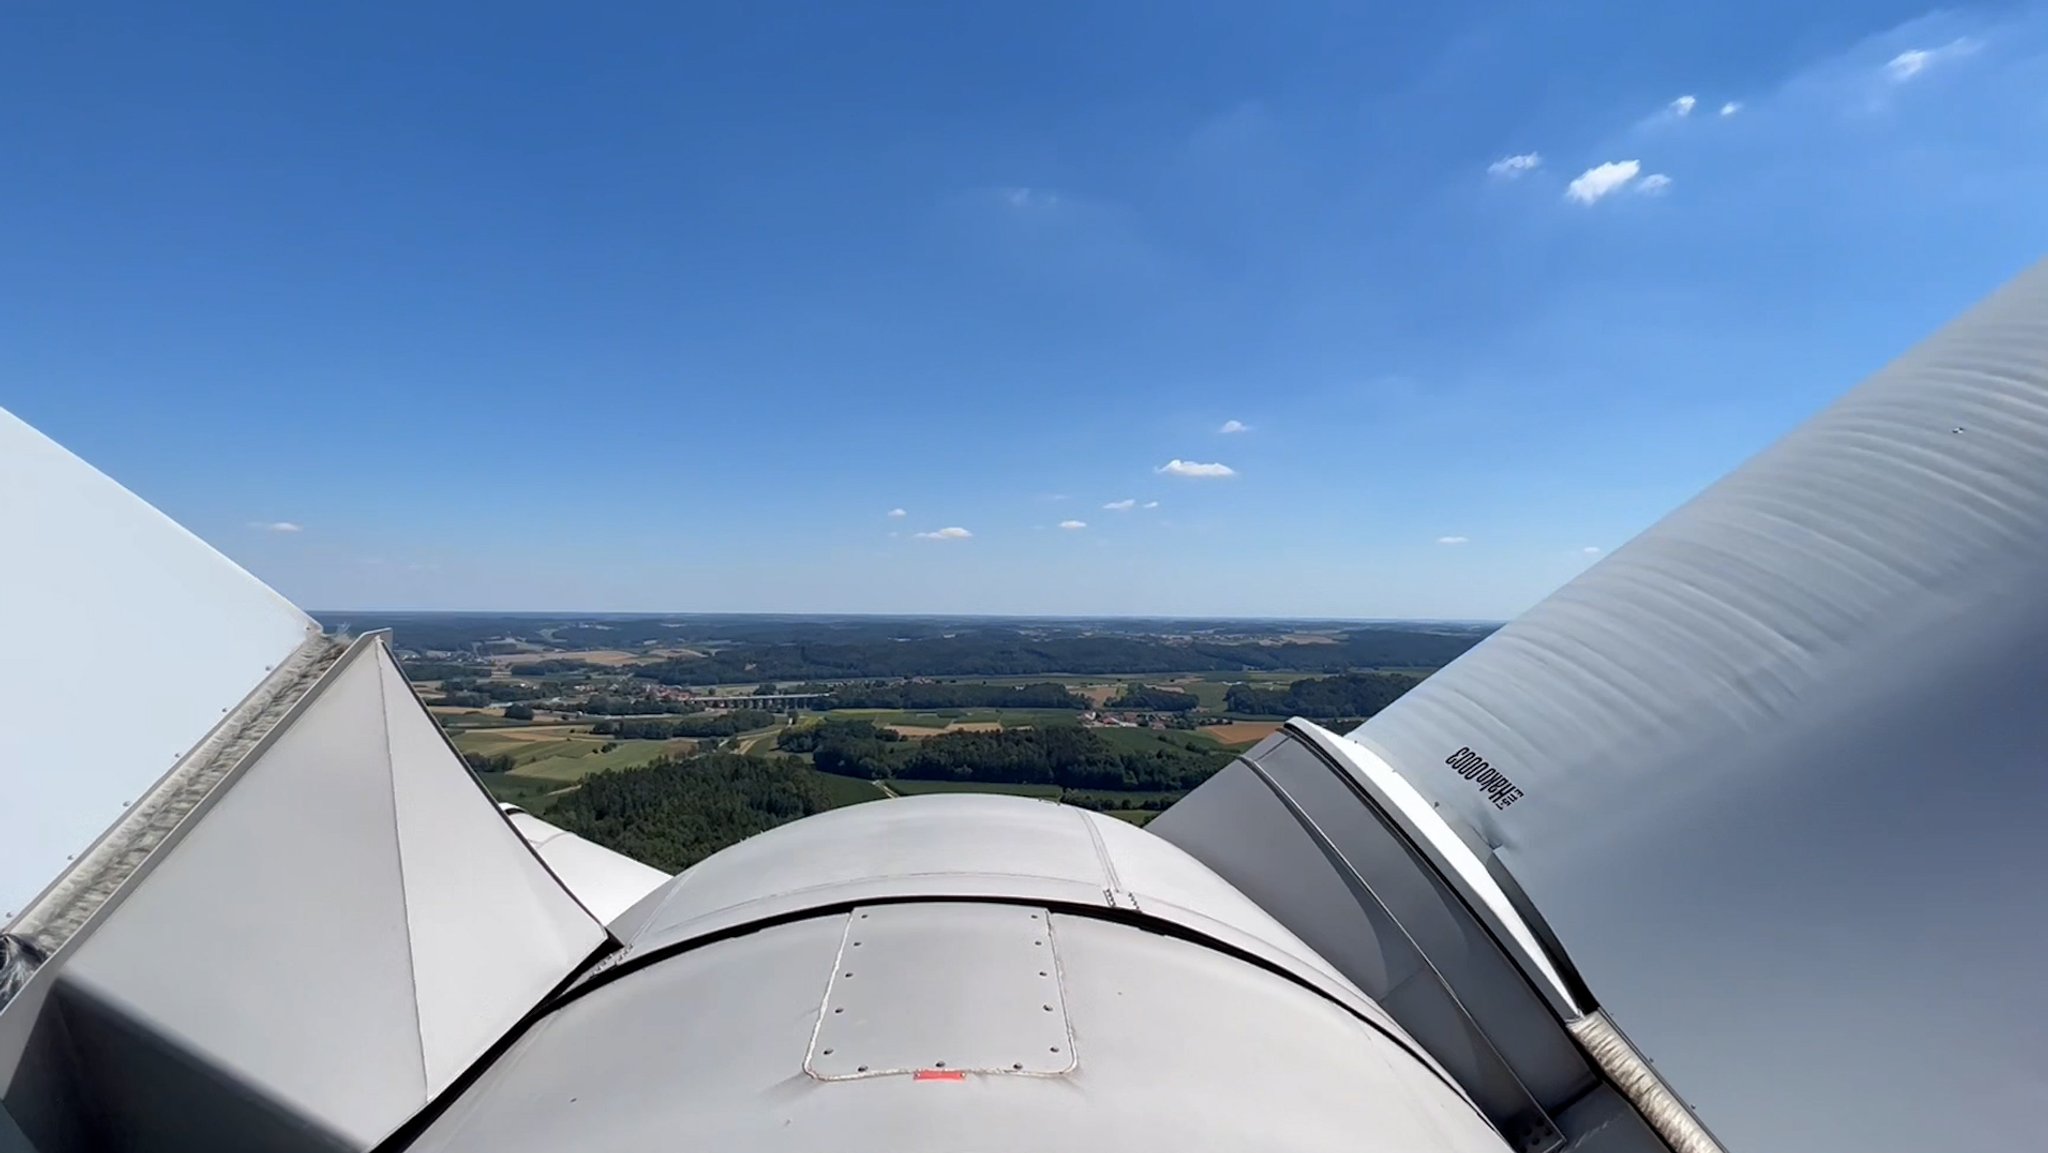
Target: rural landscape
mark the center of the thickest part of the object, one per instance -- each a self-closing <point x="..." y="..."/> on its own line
<point x="670" y="737"/>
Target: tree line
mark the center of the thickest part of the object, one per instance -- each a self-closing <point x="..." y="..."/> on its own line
<point x="1153" y="699"/>
<point x="1065" y="755"/>
<point x="1350" y="695"/>
<point x="496" y="690"/>
<point x="702" y="725"/>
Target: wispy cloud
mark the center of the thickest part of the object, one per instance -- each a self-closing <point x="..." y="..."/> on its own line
<point x="1510" y="167"/>
<point x="1194" y="469"/>
<point x="1591" y="550"/>
<point x="1071" y="525"/>
<point x="1454" y="540"/>
<point x="1030" y="198"/>
<point x="1731" y="108"/>
<point x="1121" y="505"/>
<point x="1654" y="184"/>
<point x="897" y="514"/>
<point x="953" y="533"/>
<point x="1602" y="179"/>
<point x="277" y="526"/>
<point x="1230" y="426"/>
<point x="1913" y="61"/>
<point x="1683" y="106"/>
<point x="1151" y="504"/>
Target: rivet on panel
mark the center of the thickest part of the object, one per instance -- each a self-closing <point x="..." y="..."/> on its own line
<point x="828" y="1052"/>
<point x="861" y="1069"/>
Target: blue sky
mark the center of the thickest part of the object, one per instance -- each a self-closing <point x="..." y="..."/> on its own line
<point x="666" y="308"/>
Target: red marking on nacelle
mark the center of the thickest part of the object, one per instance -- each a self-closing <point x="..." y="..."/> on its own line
<point x="938" y="1075"/>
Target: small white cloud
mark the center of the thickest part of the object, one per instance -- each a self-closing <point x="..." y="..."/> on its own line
<point x="1653" y="184"/>
<point x="1121" y="505"/>
<point x="1151" y="504"/>
<point x="1913" y="61"/>
<point x="1591" y="550"/>
<point x="1684" y="105"/>
<point x="1454" y="540"/>
<point x="1510" y="167"/>
<point x="1194" y="469"/>
<point x="954" y="533"/>
<point x="1601" y="179"/>
<point x="277" y="526"/>
<point x="1731" y="108"/>
<point x="1073" y="524"/>
<point x="1230" y="426"/>
<point x="897" y="514"/>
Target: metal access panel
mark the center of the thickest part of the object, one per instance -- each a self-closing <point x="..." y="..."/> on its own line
<point x="943" y="989"/>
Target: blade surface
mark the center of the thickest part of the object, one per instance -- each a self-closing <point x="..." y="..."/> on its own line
<point x="1772" y="771"/>
<point x="128" y="638"/>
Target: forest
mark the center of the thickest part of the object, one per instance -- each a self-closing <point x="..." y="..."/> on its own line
<point x="675" y="812"/>
<point x="1065" y="755"/>
<point x="1357" y="695"/>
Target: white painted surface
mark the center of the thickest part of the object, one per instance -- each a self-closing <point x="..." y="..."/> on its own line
<point x="103" y="596"/>
<point x="350" y="925"/>
<point x="491" y="930"/>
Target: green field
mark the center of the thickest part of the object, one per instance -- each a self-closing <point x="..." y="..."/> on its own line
<point x="917" y="788"/>
<point x="526" y="792"/>
<point x="571" y="760"/>
<point x="846" y="790"/>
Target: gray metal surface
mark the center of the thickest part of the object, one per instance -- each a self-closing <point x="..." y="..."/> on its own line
<point x="1772" y="770"/>
<point x="337" y="935"/>
<point x="128" y="581"/>
<point x="960" y="987"/>
<point x="1180" y="1047"/>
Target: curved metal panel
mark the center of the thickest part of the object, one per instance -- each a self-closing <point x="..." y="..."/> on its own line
<point x="965" y="846"/>
<point x="1179" y="1046"/>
